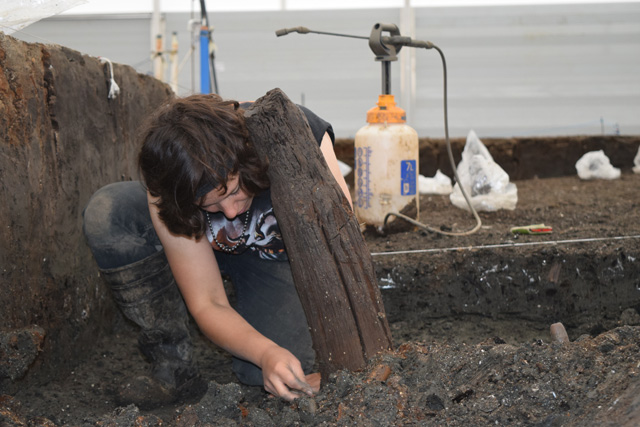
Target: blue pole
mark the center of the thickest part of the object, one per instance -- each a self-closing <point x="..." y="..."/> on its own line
<point x="205" y="82"/>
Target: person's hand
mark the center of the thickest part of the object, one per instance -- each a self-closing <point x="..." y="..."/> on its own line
<point x="283" y="375"/>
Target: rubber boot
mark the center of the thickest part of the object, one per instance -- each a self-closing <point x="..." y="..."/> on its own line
<point x="147" y="294"/>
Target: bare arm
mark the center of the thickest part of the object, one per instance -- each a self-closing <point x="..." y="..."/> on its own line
<point x="330" y="157"/>
<point x="196" y="271"/>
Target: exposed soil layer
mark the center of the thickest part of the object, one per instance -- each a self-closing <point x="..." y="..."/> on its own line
<point x="470" y="317"/>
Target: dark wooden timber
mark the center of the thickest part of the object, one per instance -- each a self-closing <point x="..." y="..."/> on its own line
<point x="331" y="265"/>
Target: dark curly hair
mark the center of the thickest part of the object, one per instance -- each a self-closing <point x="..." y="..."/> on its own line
<point x="191" y="146"/>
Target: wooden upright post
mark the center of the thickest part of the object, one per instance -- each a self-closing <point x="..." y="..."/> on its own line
<point x="331" y="265"/>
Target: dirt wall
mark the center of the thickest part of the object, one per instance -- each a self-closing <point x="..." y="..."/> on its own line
<point x="585" y="286"/>
<point x="521" y="158"/>
<point x="61" y="138"/>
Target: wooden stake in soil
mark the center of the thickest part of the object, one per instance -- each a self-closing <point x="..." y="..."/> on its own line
<point x="331" y="265"/>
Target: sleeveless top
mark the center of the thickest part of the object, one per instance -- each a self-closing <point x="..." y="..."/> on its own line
<point x="262" y="235"/>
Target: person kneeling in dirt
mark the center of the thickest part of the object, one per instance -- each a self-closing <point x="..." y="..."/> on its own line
<point x="206" y="188"/>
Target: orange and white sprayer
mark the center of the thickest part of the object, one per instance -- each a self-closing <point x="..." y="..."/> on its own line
<point x="386" y="164"/>
<point x="386" y="149"/>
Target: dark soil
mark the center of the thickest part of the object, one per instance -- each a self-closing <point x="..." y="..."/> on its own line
<point x="470" y="318"/>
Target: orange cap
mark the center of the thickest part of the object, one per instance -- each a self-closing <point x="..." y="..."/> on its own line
<point x="386" y="111"/>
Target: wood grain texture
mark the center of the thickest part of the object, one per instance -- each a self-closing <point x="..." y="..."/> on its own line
<point x="331" y="265"/>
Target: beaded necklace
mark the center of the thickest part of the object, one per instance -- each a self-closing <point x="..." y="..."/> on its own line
<point x="222" y="246"/>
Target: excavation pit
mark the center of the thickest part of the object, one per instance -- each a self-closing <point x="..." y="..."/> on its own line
<point x="470" y="318"/>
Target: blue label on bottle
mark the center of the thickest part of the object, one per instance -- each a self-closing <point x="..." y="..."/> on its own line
<point x="408" y="178"/>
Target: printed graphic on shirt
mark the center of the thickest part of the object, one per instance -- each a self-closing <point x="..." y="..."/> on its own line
<point x="261" y="235"/>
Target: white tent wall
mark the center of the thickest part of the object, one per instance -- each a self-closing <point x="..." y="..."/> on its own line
<point x="513" y="70"/>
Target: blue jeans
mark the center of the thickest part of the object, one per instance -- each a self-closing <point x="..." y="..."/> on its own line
<point x="120" y="233"/>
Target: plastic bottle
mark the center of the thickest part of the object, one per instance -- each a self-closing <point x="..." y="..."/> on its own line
<point x="386" y="164"/>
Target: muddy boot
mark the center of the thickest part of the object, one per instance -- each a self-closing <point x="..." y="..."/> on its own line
<point x="147" y="294"/>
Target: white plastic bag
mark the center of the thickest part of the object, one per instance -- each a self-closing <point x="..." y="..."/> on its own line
<point x="345" y="169"/>
<point x="484" y="181"/>
<point x="17" y="14"/>
<point x="439" y="184"/>
<point x="596" y="165"/>
<point x="636" y="162"/>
